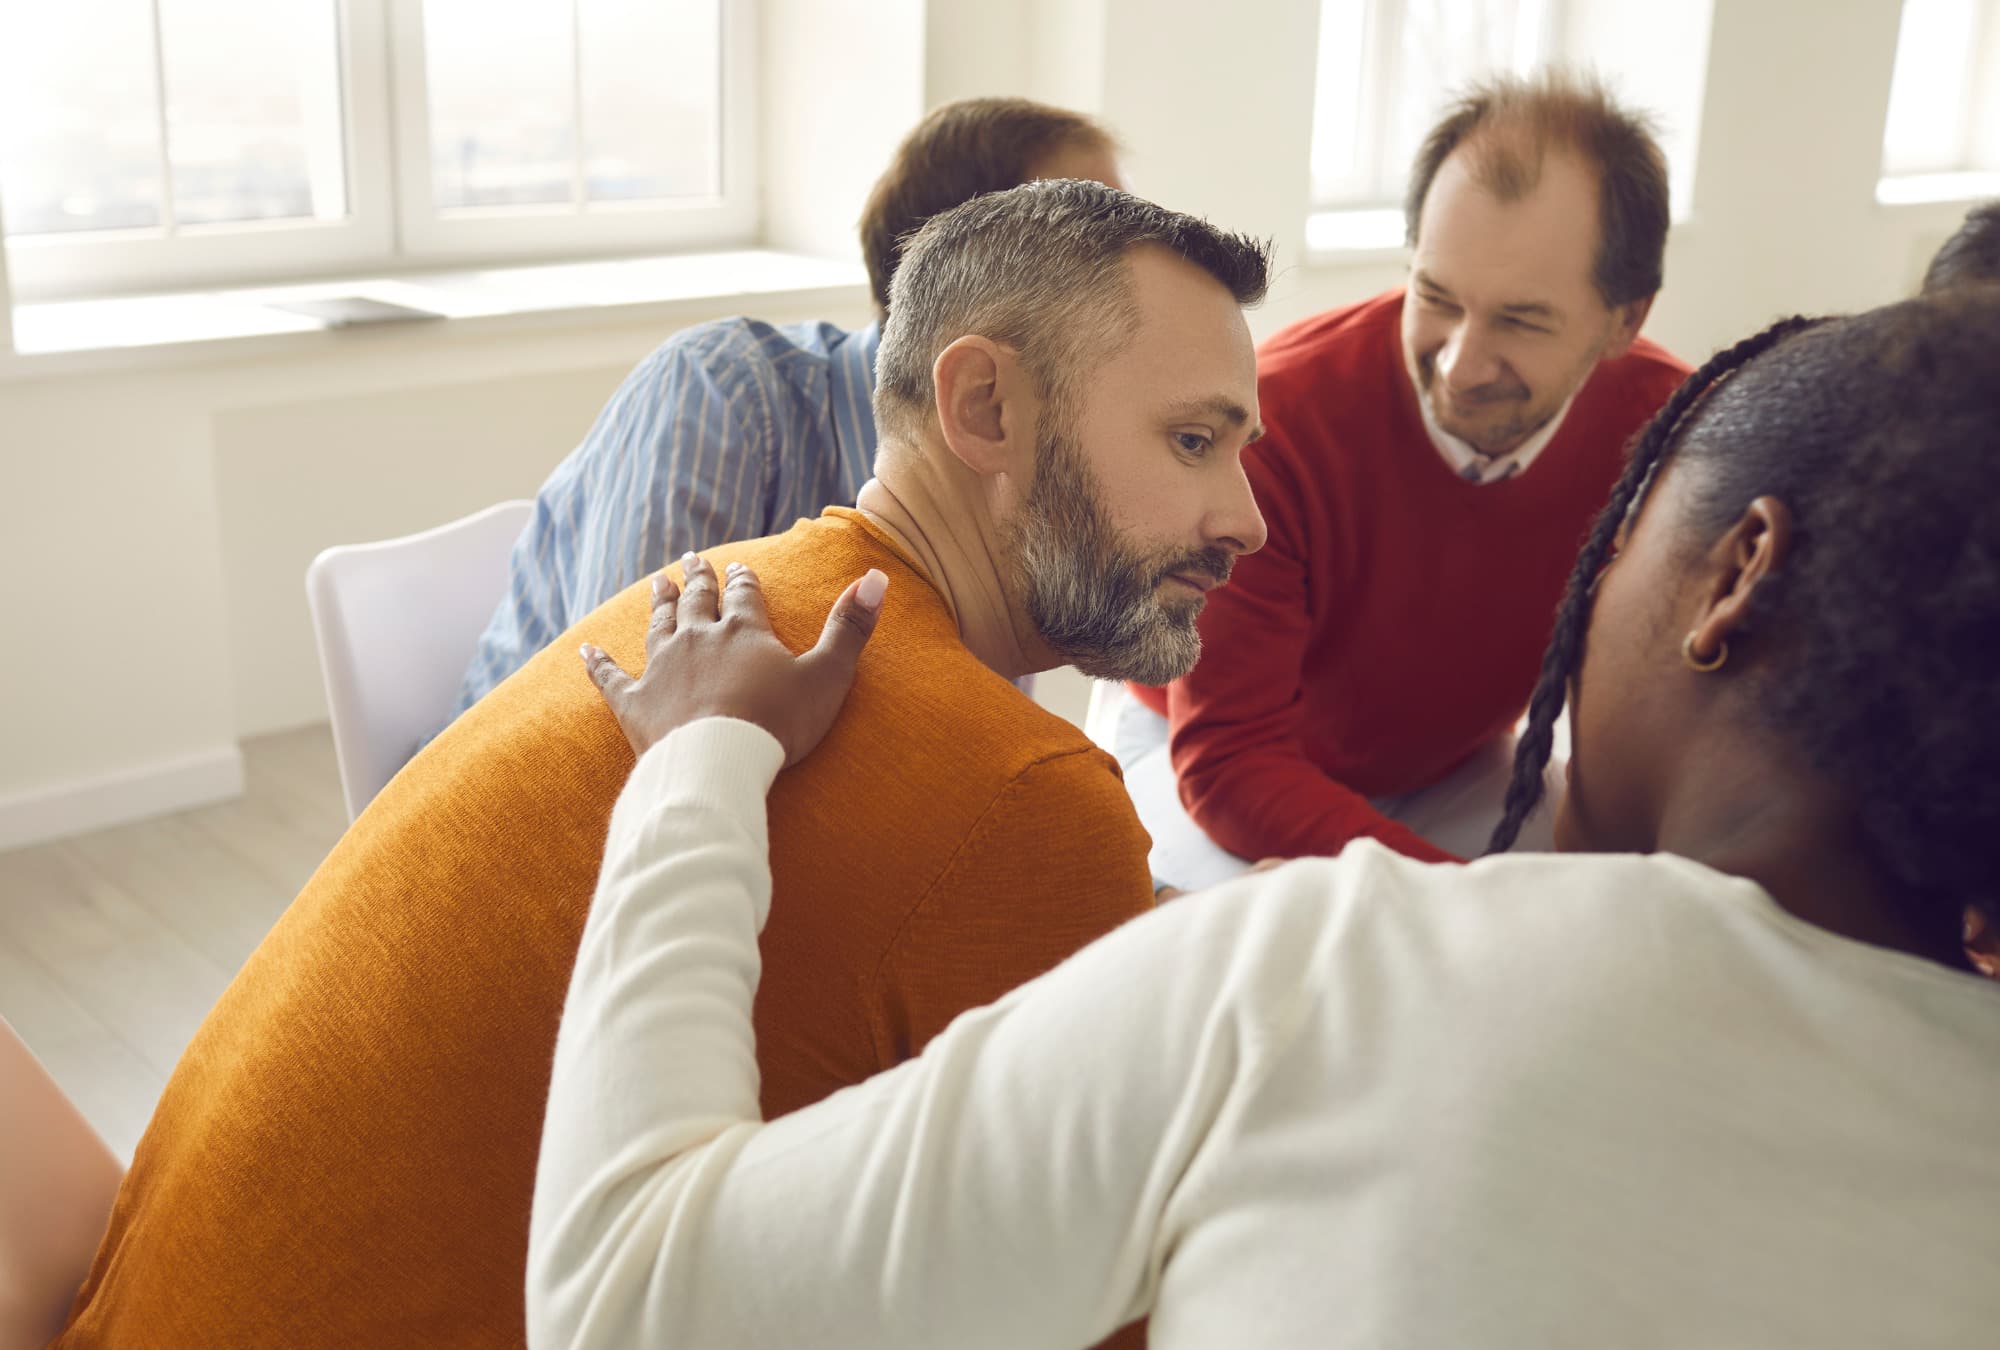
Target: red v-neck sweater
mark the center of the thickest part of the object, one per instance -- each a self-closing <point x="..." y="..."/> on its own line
<point x="1395" y="621"/>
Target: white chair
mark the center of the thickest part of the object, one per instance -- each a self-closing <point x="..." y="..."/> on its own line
<point x="57" y="1182"/>
<point x="397" y="622"/>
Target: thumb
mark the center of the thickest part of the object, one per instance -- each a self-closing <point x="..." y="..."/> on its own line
<point x="849" y="625"/>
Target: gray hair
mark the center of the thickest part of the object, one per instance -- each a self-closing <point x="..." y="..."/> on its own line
<point x="1041" y="269"/>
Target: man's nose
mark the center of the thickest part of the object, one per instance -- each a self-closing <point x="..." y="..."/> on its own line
<point x="1465" y="361"/>
<point x="1236" y="524"/>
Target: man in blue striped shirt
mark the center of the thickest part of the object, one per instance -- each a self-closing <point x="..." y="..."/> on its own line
<point x="732" y="430"/>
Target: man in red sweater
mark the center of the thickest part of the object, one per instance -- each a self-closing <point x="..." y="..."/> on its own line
<point x="1433" y="459"/>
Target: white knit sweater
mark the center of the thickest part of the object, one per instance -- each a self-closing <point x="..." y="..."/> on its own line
<point x="1535" y="1102"/>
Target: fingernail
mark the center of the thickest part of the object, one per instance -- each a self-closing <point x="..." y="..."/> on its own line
<point x="869" y="592"/>
<point x="688" y="560"/>
<point x="660" y="584"/>
<point x="734" y="568"/>
<point x="585" y="651"/>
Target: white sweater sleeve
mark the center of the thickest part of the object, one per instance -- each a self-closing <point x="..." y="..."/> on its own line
<point x="1012" y="1187"/>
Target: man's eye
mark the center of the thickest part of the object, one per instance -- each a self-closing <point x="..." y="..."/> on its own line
<point x="1524" y="326"/>
<point x="1192" y="443"/>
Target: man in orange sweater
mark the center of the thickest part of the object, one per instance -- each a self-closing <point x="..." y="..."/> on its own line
<point x="1435" y="457"/>
<point x="345" y="1155"/>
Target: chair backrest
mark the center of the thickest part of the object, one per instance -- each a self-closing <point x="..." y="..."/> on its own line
<point x="57" y="1182"/>
<point x="398" y="621"/>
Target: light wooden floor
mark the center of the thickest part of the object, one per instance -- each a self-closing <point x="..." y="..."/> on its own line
<point x="114" y="945"/>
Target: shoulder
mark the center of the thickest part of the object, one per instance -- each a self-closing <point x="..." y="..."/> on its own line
<point x="1039" y="855"/>
<point x="956" y="723"/>
<point x="922" y="701"/>
<point x="1302" y="351"/>
<point x="1008" y="788"/>
<point x="1498" y="928"/>
<point x="1321" y="381"/>
<point x="1647" y="373"/>
<point x="1060" y="778"/>
<point x="730" y="352"/>
<point x="1453" y="944"/>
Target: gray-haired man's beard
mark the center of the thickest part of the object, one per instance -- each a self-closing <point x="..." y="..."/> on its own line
<point x="1091" y="598"/>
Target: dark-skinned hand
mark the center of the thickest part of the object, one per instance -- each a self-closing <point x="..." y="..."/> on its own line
<point x="710" y="652"/>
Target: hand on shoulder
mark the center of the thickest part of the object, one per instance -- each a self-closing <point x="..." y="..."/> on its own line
<point x="710" y="652"/>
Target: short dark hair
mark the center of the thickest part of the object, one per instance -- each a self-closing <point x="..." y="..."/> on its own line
<point x="957" y="152"/>
<point x="1041" y="268"/>
<point x="1509" y="123"/>
<point x="1971" y="254"/>
<point x="1879" y="633"/>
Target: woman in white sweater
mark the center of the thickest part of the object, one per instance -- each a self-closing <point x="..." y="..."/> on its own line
<point x="1722" y="1076"/>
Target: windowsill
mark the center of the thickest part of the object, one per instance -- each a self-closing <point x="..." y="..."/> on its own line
<point x="1918" y="188"/>
<point x="72" y="335"/>
<point x="1354" y="236"/>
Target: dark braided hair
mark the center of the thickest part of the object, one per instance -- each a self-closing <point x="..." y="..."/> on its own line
<point x="1878" y="644"/>
<point x="1531" y="754"/>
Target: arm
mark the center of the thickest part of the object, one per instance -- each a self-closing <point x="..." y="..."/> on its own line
<point x="677" y="460"/>
<point x="991" y="1193"/>
<point x="1237" y="744"/>
<point x="57" y="1184"/>
<point x="932" y="1205"/>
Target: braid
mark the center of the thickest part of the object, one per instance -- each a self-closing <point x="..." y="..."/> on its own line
<point x="1531" y="755"/>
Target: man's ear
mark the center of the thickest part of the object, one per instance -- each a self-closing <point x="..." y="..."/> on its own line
<point x="1627" y="320"/>
<point x="1747" y="555"/>
<point x="977" y="383"/>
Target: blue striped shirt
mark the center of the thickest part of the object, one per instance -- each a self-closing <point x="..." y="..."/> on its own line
<point x="730" y="430"/>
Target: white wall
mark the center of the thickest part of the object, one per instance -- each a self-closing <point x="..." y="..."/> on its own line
<point x="155" y="523"/>
<point x="843" y="80"/>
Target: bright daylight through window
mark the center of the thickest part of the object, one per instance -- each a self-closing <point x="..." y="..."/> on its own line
<point x="1387" y="67"/>
<point x="88" y="93"/>
<point x="185" y="142"/>
<point x="1942" y="141"/>
<point x="514" y="120"/>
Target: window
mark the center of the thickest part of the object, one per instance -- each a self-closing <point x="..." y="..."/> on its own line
<point x="592" y="124"/>
<point x="1942" y="138"/>
<point x="152" y="143"/>
<point x="139" y="146"/>
<point x="1387" y="68"/>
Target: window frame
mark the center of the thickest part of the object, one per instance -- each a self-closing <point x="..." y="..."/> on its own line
<point x="1382" y="25"/>
<point x="1959" y="151"/>
<point x="390" y="226"/>
<point x="562" y="231"/>
<point x="90" y="264"/>
<point x="1596" y="37"/>
<point x="1982" y="141"/>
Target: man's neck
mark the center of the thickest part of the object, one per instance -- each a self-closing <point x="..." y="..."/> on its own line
<point x="940" y="521"/>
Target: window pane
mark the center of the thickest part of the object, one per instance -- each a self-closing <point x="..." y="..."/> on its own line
<point x="1929" y="91"/>
<point x="1386" y="68"/>
<point x="253" y="109"/>
<point x="652" y="84"/>
<point x="502" y="105"/>
<point x="79" y="134"/>
<point x="1337" y="161"/>
<point x="1445" y="45"/>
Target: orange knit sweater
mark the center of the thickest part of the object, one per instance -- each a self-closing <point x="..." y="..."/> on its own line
<point x="345" y="1155"/>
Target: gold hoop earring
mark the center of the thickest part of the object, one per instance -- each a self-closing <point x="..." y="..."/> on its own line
<point x="1696" y="663"/>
